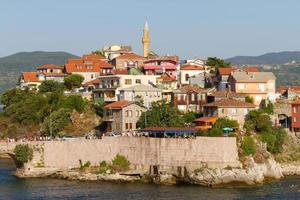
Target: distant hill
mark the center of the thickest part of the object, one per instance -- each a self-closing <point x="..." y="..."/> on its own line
<point x="12" y="66"/>
<point x="268" y="58"/>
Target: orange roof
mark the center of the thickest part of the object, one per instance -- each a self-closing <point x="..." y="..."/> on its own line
<point x="92" y="82"/>
<point x="283" y="89"/>
<point x="251" y="69"/>
<point x="50" y="66"/>
<point x="167" y="78"/>
<point x="226" y="70"/>
<point x="93" y="57"/>
<point x="130" y="56"/>
<point x="30" y="77"/>
<point x="76" y="65"/>
<point x="206" y="119"/>
<point x="191" y="67"/>
<point x="117" y="104"/>
<point x="230" y="103"/>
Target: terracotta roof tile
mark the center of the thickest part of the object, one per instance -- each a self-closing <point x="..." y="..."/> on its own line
<point x="81" y="65"/>
<point x="283" y="89"/>
<point x="167" y="78"/>
<point x="54" y="74"/>
<point x="93" y="57"/>
<point x="189" y="88"/>
<point x="231" y="103"/>
<point x="92" y="82"/>
<point x="117" y="104"/>
<point x="130" y="56"/>
<point x="191" y="67"/>
<point x="225" y="70"/>
<point x="119" y="71"/>
<point x="30" y="77"/>
<point x="225" y="93"/>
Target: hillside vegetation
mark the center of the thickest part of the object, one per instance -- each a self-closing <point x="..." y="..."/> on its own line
<point x="12" y="66"/>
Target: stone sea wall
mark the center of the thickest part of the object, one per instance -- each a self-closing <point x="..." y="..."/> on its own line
<point x="142" y="152"/>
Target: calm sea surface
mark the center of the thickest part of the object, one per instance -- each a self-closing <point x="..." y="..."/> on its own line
<point x="14" y="188"/>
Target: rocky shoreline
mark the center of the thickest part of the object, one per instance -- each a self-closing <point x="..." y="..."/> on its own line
<point x="254" y="174"/>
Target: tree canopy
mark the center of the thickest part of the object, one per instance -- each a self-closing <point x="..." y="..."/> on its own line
<point x="216" y="62"/>
<point x="161" y="114"/>
<point x="73" y="81"/>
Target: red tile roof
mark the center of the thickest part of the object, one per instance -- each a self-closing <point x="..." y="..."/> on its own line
<point x="81" y="65"/>
<point x="50" y="66"/>
<point x="92" y="82"/>
<point x="167" y="78"/>
<point x="191" y="67"/>
<point x="225" y="93"/>
<point x="130" y="56"/>
<point x="93" y="57"/>
<point x="251" y="69"/>
<point x="190" y="88"/>
<point x="30" y="77"/>
<point x="225" y="70"/>
<point x="117" y="104"/>
<point x="283" y="89"/>
<point x="230" y="103"/>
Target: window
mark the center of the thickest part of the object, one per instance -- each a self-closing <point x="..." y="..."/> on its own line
<point x="193" y="97"/>
<point x="295" y="109"/>
<point x="129" y="113"/>
<point x="186" y="77"/>
<point x="126" y="126"/>
<point x="92" y="76"/>
<point x="126" y="113"/>
<point x="262" y="87"/>
<point x="128" y="81"/>
<point x="234" y="111"/>
<point x="138" y="81"/>
<point x="246" y="110"/>
<point x="130" y="125"/>
<point x="241" y="86"/>
<point x="295" y="119"/>
<point x="223" y="111"/>
<point x="137" y="113"/>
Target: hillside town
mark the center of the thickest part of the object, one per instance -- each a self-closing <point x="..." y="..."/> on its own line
<point x="128" y="84"/>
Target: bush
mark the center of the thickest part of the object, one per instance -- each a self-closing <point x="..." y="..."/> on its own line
<point x="73" y="81"/>
<point x="84" y="166"/>
<point x="23" y="154"/>
<point x="248" y="145"/>
<point x="274" y="139"/>
<point x="74" y="102"/>
<point x="216" y="132"/>
<point x="120" y="163"/>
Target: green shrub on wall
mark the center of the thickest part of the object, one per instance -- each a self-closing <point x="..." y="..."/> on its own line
<point x="23" y="154"/>
<point x="120" y="163"/>
<point x="248" y="145"/>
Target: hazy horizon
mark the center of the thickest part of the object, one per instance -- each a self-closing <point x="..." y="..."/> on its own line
<point x="186" y="28"/>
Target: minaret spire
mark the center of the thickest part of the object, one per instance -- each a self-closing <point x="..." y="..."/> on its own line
<point x="146" y="39"/>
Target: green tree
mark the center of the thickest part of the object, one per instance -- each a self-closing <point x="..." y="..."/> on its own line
<point x="249" y="99"/>
<point x="74" y="102"/>
<point x="59" y="120"/>
<point x="161" y="114"/>
<point x="189" y="117"/>
<point x="224" y="122"/>
<point x="267" y="107"/>
<point x="120" y="163"/>
<point x="216" y="62"/>
<point x="15" y="95"/>
<point x="99" y="106"/>
<point x="23" y="154"/>
<point x="248" y="145"/>
<point x="73" y="81"/>
<point x="51" y="86"/>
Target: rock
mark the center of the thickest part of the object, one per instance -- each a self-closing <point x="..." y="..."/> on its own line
<point x="289" y="169"/>
<point x="167" y="179"/>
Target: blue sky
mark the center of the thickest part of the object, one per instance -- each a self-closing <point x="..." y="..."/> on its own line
<point x="188" y="28"/>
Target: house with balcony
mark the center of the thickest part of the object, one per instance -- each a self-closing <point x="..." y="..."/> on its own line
<point x="89" y="66"/>
<point x="189" y="98"/>
<point x="144" y="94"/>
<point x="128" y="60"/>
<point x="162" y="65"/>
<point x="167" y="84"/>
<point x="51" y="72"/>
<point x="232" y="108"/>
<point x="122" y="116"/>
<point x="258" y="85"/>
<point x="110" y="86"/>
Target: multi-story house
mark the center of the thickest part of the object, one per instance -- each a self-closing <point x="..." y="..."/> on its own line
<point x="288" y="92"/>
<point x="295" y="116"/>
<point x="89" y="66"/>
<point x="167" y="84"/>
<point x="51" y="72"/>
<point x="232" y="108"/>
<point x="187" y="71"/>
<point x="145" y="94"/>
<point x="122" y="116"/>
<point x="224" y="94"/>
<point x="128" y="60"/>
<point x="162" y="65"/>
<point x="29" y="80"/>
<point x="113" y="51"/>
<point x="189" y="98"/>
<point x="258" y="85"/>
<point x="110" y="86"/>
